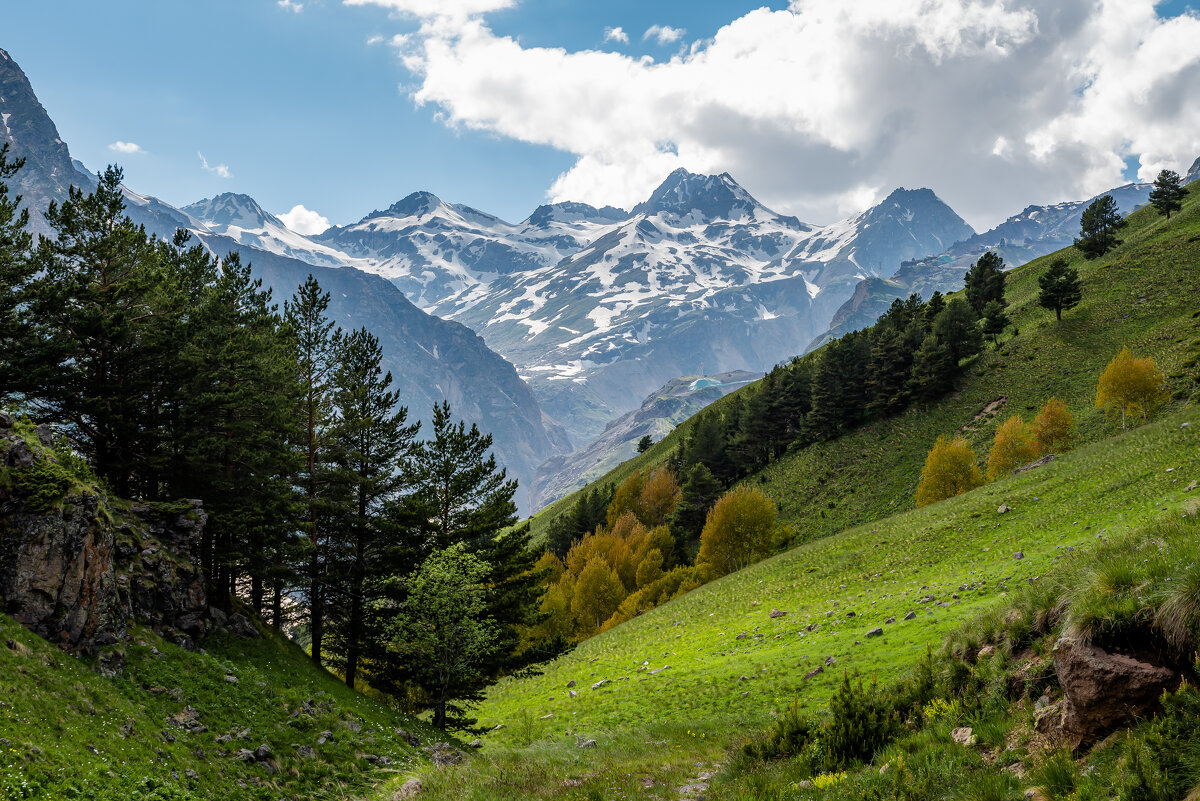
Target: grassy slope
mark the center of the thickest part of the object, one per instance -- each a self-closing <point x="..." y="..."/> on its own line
<point x="66" y="732"/>
<point x="1142" y="295"/>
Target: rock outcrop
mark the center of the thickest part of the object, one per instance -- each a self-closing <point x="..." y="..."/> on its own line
<point x="78" y="570"/>
<point x="1101" y="691"/>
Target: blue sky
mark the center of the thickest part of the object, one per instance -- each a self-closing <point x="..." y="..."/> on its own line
<point x="297" y="105"/>
<point x="301" y="109"/>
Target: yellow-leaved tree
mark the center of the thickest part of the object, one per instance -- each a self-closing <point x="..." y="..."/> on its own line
<point x="598" y="593"/>
<point x="1130" y="385"/>
<point x="1054" y="428"/>
<point x="950" y="469"/>
<point x="740" y="530"/>
<point x="1013" y="446"/>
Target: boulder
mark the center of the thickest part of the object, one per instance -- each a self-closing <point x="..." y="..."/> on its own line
<point x="963" y="736"/>
<point x="1102" y="690"/>
<point x="875" y="632"/>
<point x="776" y="613"/>
<point x="241" y="626"/>
<point x="1045" y="460"/>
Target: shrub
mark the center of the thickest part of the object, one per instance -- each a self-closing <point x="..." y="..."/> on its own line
<point x="1012" y="447"/>
<point x="950" y="469"/>
<point x="1054" y="428"/>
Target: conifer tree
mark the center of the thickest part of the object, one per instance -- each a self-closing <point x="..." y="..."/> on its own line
<point x="315" y="344"/>
<point x="699" y="492"/>
<point x="933" y="370"/>
<point x="890" y="369"/>
<point x="985" y="282"/>
<point x="839" y="388"/>
<point x="1168" y="193"/>
<point x="644" y="444"/>
<point x="16" y="271"/>
<point x="1099" y="226"/>
<point x="373" y="441"/>
<point x="1059" y="288"/>
<point x="957" y="329"/>
<point x="90" y="305"/>
<point x="935" y="306"/>
<point x="995" y="320"/>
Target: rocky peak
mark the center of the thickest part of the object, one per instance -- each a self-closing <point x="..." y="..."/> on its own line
<point x="418" y="204"/>
<point x="230" y="209"/>
<point x="1193" y="174"/>
<point x="571" y="212"/>
<point x="711" y="196"/>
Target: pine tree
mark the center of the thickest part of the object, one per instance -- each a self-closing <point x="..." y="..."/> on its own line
<point x="935" y="306"/>
<point x="1099" y="226"/>
<point x="706" y="445"/>
<point x="985" y="282"/>
<point x="839" y="388"/>
<point x="373" y="441"/>
<point x="995" y="320"/>
<point x="957" y="329"/>
<point x="16" y="271"/>
<point x="889" y="370"/>
<point x="699" y="492"/>
<point x="315" y="343"/>
<point x="90" y="306"/>
<point x="933" y="370"/>
<point x="1168" y="193"/>
<point x="1059" y="287"/>
<point x="644" y="444"/>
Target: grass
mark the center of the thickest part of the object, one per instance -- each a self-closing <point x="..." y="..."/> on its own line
<point x="69" y="733"/>
<point x="1142" y="295"/>
<point x="945" y="563"/>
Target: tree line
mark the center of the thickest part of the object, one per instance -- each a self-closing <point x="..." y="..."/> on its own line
<point x="175" y="375"/>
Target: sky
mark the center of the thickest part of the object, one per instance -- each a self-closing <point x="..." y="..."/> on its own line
<point x="324" y="110"/>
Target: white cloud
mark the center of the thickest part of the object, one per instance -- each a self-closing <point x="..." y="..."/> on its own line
<point x="219" y="170"/>
<point x="374" y="40"/>
<point x="304" y="221"/>
<point x="616" y="35"/>
<point x="288" y="5"/>
<point x="129" y="148"/>
<point x="665" y="34"/>
<point x="992" y="103"/>
<point x="437" y="9"/>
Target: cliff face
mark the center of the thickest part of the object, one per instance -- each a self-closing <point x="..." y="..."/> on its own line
<point x="77" y="569"/>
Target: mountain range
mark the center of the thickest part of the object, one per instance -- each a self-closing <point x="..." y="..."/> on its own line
<point x="546" y="331"/>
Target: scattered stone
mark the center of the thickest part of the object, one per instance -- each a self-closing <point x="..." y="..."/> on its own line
<point x="353" y="725"/>
<point x="111" y="664"/>
<point x="890" y="620"/>
<point x="1192" y="486"/>
<point x="262" y="752"/>
<point x="875" y="632"/>
<point x="963" y="736"/>
<point x="325" y="737"/>
<point x="817" y="671"/>
<point x="775" y="613"/>
<point x="586" y="743"/>
<point x="571" y="683"/>
<point x="244" y="755"/>
<point x="409" y="789"/>
<point x="242" y="627"/>
<point x="305" y="752"/>
<point x="744" y="678"/>
<point x="804" y="785"/>
<point x="1019" y="555"/>
<point x="987" y="651"/>
<point x="412" y="739"/>
<point x="910" y="616"/>
<point x="442" y="754"/>
<point x="1004" y="509"/>
<point x="600" y="684"/>
<point x="231" y="679"/>
<point x="572" y="694"/>
<point x="829" y="660"/>
<point x="1045" y="460"/>
<point x="476" y="743"/>
<point x="17" y="648"/>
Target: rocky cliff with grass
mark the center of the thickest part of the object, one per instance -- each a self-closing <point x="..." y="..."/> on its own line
<point x="77" y="567"/>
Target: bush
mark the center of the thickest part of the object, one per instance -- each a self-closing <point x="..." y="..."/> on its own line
<point x="950" y="469"/>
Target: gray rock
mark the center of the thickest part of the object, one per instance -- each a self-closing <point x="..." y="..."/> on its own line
<point x="875" y="632"/>
<point x="963" y="736"/>
<point x="910" y="616"/>
<point x="305" y="752"/>
<point x="1019" y="555"/>
<point x="241" y="626"/>
<point x="600" y="684"/>
<point x="410" y="789"/>
<point x="586" y="744"/>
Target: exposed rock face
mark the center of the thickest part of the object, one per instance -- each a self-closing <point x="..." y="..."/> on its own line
<point x="1103" y="690"/>
<point x="77" y="579"/>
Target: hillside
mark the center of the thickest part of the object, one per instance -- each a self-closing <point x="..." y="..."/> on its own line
<point x="697" y="676"/>
<point x="1141" y="295"/>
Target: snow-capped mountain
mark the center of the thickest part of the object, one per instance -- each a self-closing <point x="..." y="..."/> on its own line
<point x="435" y="251"/>
<point x="598" y="307"/>
<point x="1023" y="237"/>
<point x="240" y="218"/>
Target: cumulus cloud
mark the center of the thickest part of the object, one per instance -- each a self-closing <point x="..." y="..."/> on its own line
<point x="616" y="35"/>
<point x="664" y="34"/>
<point x="822" y="108"/>
<point x="304" y="221"/>
<point x="219" y="170"/>
<point x="437" y="9"/>
<point x="128" y="148"/>
<point x="288" y="5"/>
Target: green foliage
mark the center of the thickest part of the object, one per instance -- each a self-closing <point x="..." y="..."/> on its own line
<point x="995" y="320"/>
<point x="644" y="444"/>
<point x="1098" y="227"/>
<point x="984" y="283"/>
<point x="1059" y="288"/>
<point x="45" y="483"/>
<point x="1168" y="193"/>
<point x="861" y="720"/>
